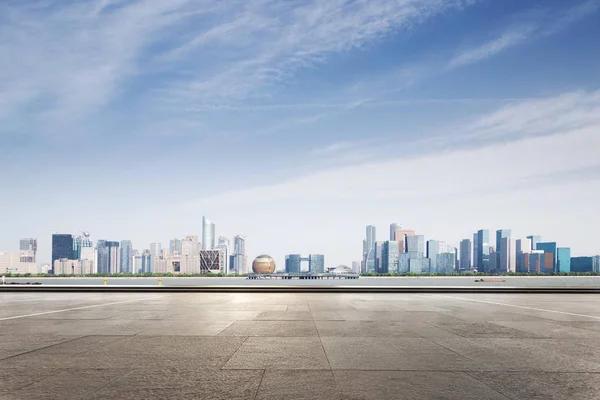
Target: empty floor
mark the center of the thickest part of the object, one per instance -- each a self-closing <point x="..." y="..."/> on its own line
<point x="309" y="346"/>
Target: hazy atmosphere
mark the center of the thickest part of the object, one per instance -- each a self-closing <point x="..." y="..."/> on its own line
<point x="297" y="123"/>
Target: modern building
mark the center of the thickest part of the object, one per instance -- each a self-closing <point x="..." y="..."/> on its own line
<point x="444" y="263"/>
<point x="175" y="246"/>
<point x="10" y="263"/>
<point x="28" y="250"/>
<point x="466" y="249"/>
<point x="263" y="264"/>
<point x="62" y="247"/>
<point x="155" y="253"/>
<point x="508" y="254"/>
<point x="126" y="257"/>
<point x="535" y="239"/>
<point x="211" y="261"/>
<point x="369" y="249"/>
<point x="415" y="244"/>
<point x="239" y="258"/>
<point x="137" y="264"/>
<point x="389" y="257"/>
<point x="146" y="266"/>
<point x="81" y="242"/>
<point x="400" y="237"/>
<point x="585" y="264"/>
<point x="108" y="257"/>
<point x="223" y="246"/>
<point x="293" y="263"/>
<point x="316" y="263"/>
<point x="534" y="261"/>
<point x="356" y="267"/>
<point x="208" y="234"/>
<point x="494" y="261"/>
<point x="482" y="250"/>
<point x="563" y="259"/>
<point x="523" y="247"/>
<point x="433" y="249"/>
<point x="378" y="251"/>
<point x="419" y="265"/>
<point x="500" y="234"/>
<point x="549" y="248"/>
<point x="393" y="228"/>
<point x="189" y="261"/>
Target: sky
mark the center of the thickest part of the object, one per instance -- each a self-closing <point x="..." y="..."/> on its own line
<point x="297" y="123"/>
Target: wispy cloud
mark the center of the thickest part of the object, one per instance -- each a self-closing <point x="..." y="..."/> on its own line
<point x="537" y="24"/>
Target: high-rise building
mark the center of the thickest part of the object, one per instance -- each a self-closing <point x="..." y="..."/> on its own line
<point x="239" y="252"/>
<point x="223" y="246"/>
<point x="62" y="247"/>
<point x="433" y="249"/>
<point x="211" y="261"/>
<point x="81" y="242"/>
<point x="137" y="264"/>
<point x="293" y="263"/>
<point x="208" y="234"/>
<point x="146" y="266"/>
<point x="444" y="262"/>
<point x="400" y="237"/>
<point x="500" y="234"/>
<point x="378" y="251"/>
<point x="126" y="257"/>
<point x="535" y="239"/>
<point x="155" y="253"/>
<point x="482" y="258"/>
<point x="563" y="259"/>
<point x="548" y="248"/>
<point x="27" y="250"/>
<point x="108" y="257"/>
<point x="585" y="264"/>
<point x="474" y="263"/>
<point x="523" y="247"/>
<point x="175" y="246"/>
<point x="465" y="254"/>
<point x="356" y="267"/>
<point x="316" y="263"/>
<point x="389" y="257"/>
<point x="416" y="244"/>
<point x="508" y="255"/>
<point x="393" y="228"/>
<point x="369" y="254"/>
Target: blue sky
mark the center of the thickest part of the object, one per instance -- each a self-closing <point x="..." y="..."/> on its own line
<point x="299" y="122"/>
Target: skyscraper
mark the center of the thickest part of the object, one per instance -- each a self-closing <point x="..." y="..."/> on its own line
<point x="465" y="254"/>
<point x="316" y="263"/>
<point x="433" y="250"/>
<point x="62" y="247"/>
<point x="563" y="259"/>
<point x="81" y="242"/>
<point x="393" y="228"/>
<point x="400" y="237"/>
<point x="508" y="255"/>
<point x="483" y="250"/>
<point x="500" y="234"/>
<point x="208" y="234"/>
<point x="523" y="247"/>
<point x="126" y="257"/>
<point x="223" y="246"/>
<point x="369" y="253"/>
<point x="293" y="263"/>
<point x="108" y="257"/>
<point x="416" y="244"/>
<point x="146" y="257"/>
<point x="389" y="257"/>
<point x="155" y="253"/>
<point x="190" y="255"/>
<point x="239" y="258"/>
<point x="535" y="239"/>
<point x="474" y="262"/>
<point x="549" y="249"/>
<point x="27" y="250"/>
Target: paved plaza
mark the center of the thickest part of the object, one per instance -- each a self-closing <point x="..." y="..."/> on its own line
<point x="299" y="346"/>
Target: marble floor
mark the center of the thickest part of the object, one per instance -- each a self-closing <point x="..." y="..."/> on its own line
<point x="299" y="346"/>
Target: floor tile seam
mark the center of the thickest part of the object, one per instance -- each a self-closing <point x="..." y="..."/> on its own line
<point x="505" y="395"/>
<point x="455" y="352"/>
<point x="42" y="348"/>
<point x="110" y="382"/>
<point x="58" y="371"/>
<point x="234" y="353"/>
<point x="262" y="376"/>
<point x="445" y="330"/>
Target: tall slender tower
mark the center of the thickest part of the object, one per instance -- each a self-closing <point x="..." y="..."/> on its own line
<point x="393" y="228"/>
<point x="208" y="234"/>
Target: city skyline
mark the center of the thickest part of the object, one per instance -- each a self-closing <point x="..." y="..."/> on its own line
<point x="300" y="122"/>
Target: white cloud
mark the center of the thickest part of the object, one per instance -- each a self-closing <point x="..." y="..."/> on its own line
<point x="540" y="24"/>
<point x="492" y="185"/>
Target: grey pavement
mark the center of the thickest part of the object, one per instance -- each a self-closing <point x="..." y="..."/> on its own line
<point x="299" y="346"/>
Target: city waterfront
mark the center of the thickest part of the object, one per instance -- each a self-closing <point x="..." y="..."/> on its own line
<point x="451" y="281"/>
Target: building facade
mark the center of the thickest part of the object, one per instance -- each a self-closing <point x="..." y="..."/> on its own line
<point x="316" y="263"/>
<point x="482" y="250"/>
<point x="389" y="257"/>
<point x="28" y="250"/>
<point x="62" y="247"/>
<point x="126" y="257"/>
<point x="563" y="259"/>
<point x="293" y="263"/>
<point x="466" y="249"/>
<point x="208" y="234"/>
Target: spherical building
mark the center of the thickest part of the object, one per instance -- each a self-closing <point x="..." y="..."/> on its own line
<point x="263" y="264"/>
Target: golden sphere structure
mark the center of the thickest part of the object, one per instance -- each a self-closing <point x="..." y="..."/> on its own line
<point x="263" y="264"/>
